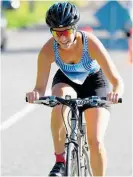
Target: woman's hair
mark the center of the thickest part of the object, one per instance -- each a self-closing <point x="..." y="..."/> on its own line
<point x="62" y="14"/>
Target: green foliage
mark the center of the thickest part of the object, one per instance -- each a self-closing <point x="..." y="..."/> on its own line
<point x="23" y="16"/>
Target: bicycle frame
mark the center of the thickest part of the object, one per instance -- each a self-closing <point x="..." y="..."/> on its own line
<point x="72" y="138"/>
<point x="78" y="138"/>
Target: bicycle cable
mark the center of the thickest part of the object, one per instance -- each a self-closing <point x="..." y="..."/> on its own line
<point x="69" y="121"/>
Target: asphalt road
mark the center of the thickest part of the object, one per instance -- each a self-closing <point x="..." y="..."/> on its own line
<point x="26" y="144"/>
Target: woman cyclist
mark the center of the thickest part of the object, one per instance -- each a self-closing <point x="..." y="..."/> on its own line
<point x="85" y="68"/>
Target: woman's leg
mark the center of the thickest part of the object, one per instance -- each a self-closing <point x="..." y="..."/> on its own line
<point x="57" y="124"/>
<point x="97" y="121"/>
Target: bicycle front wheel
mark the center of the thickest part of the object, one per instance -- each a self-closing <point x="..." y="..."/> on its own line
<point x="87" y="169"/>
<point x="72" y="162"/>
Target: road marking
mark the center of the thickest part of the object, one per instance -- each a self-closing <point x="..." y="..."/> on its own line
<point x="19" y="115"/>
<point x="16" y="117"/>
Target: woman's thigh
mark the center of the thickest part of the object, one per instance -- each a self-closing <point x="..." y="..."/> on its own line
<point x="97" y="121"/>
<point x="63" y="89"/>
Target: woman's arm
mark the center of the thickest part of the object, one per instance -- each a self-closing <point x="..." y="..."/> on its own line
<point x="97" y="51"/>
<point x="44" y="62"/>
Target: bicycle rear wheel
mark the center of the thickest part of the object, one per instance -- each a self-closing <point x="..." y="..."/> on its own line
<point x="72" y="163"/>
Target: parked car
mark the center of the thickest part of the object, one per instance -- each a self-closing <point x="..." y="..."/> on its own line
<point x="3" y="26"/>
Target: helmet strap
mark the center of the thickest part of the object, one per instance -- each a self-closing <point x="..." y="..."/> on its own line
<point x="75" y="34"/>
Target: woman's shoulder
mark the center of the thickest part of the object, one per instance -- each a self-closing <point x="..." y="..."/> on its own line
<point x="93" y="43"/>
<point x="90" y="35"/>
<point x="48" y="46"/>
<point x="47" y="49"/>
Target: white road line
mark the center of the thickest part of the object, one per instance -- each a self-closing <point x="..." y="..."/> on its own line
<point x="19" y="115"/>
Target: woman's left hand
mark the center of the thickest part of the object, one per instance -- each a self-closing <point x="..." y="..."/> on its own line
<point x="113" y="97"/>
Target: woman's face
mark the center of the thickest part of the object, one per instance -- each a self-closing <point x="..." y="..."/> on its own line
<point x="64" y="36"/>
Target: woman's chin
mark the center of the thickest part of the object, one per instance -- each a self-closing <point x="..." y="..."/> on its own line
<point x="66" y="46"/>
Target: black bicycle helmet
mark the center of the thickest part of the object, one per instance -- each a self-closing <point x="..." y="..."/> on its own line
<point x="62" y="14"/>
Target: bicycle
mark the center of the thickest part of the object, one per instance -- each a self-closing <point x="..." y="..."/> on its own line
<point x="76" y="146"/>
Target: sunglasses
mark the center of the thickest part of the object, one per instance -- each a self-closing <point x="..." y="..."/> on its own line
<point x="65" y="33"/>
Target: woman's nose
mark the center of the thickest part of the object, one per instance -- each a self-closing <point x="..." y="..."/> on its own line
<point x="63" y="38"/>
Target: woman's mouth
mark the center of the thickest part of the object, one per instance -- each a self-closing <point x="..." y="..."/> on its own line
<point x="66" y="44"/>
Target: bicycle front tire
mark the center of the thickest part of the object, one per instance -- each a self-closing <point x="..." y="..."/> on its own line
<point x="87" y="170"/>
<point x="72" y="164"/>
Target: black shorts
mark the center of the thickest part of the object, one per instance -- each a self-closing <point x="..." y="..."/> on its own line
<point x="94" y="85"/>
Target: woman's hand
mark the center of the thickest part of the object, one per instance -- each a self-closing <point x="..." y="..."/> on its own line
<point x="32" y="96"/>
<point x="113" y="97"/>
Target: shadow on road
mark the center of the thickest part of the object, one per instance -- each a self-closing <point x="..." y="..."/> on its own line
<point x="37" y="27"/>
<point x="21" y="51"/>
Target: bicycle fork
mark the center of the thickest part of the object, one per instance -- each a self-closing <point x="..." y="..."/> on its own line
<point x="72" y="143"/>
<point x="74" y="137"/>
<point x="81" y="151"/>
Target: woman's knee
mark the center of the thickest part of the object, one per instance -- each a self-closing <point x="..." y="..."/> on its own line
<point x="97" y="120"/>
<point x="56" y="111"/>
<point x="56" y="119"/>
<point x="95" y="145"/>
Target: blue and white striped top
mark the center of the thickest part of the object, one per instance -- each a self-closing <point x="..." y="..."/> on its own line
<point x="77" y="72"/>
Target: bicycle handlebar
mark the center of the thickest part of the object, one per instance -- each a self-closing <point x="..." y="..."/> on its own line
<point x="52" y="101"/>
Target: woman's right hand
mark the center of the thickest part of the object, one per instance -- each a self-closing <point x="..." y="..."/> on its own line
<point x="32" y="96"/>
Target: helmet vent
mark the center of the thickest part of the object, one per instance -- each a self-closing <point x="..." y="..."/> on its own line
<point x="62" y="14"/>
